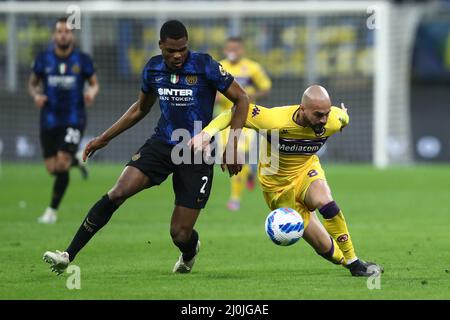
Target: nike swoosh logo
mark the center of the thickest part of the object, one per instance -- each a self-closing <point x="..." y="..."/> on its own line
<point x="159" y="79"/>
<point x="87" y="220"/>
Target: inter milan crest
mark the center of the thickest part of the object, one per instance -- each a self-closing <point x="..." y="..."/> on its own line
<point x="191" y="79"/>
<point x="174" y="78"/>
<point x="62" y="68"/>
<point x="75" y="69"/>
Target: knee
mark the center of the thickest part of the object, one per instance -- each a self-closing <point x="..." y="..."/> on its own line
<point x="51" y="168"/>
<point x="61" y="166"/>
<point x="117" y="195"/>
<point x="180" y="234"/>
<point x="329" y="209"/>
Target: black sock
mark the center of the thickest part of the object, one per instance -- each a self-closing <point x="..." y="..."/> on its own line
<point x="59" y="188"/>
<point x="75" y="162"/>
<point x="96" y="218"/>
<point x="189" y="248"/>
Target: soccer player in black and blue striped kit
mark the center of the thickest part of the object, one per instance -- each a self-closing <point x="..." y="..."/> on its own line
<point x="56" y="85"/>
<point x="186" y="84"/>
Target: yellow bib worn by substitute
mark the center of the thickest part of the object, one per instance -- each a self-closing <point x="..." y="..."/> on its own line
<point x="285" y="175"/>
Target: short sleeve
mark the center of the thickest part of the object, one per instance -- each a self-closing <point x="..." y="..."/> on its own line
<point x="88" y="67"/>
<point x="217" y="76"/>
<point x="38" y="65"/>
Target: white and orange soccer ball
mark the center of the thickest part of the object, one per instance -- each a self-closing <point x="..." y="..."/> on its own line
<point x="284" y="226"/>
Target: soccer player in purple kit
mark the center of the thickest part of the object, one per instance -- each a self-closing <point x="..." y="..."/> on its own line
<point x="186" y="84"/>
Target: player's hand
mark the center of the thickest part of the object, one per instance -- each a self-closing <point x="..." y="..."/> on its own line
<point x="40" y="100"/>
<point x="92" y="146"/>
<point x="199" y="142"/>
<point x="89" y="98"/>
<point x="233" y="165"/>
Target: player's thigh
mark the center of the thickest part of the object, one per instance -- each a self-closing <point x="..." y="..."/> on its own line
<point x="289" y="199"/>
<point x="49" y="145"/>
<point x="318" y="194"/>
<point x="307" y="178"/>
<point x="316" y="235"/>
<point x="154" y="160"/>
<point x="192" y="185"/>
<point x="131" y="181"/>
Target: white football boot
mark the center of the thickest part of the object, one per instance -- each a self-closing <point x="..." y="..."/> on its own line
<point x="58" y="261"/>
<point x="49" y="216"/>
<point x="185" y="266"/>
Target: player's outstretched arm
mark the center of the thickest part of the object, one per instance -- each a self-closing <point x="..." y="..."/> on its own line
<point x="240" y="99"/>
<point x="133" y="115"/>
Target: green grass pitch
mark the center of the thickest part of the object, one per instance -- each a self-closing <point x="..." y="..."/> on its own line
<point x="398" y="217"/>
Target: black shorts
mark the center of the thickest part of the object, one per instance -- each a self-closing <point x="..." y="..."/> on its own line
<point x="60" y="139"/>
<point x="191" y="182"/>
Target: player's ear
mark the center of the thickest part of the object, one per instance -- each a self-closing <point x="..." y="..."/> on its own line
<point x="160" y="43"/>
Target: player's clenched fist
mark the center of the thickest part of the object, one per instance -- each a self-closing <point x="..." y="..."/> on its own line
<point x="92" y="146"/>
<point x="40" y="100"/>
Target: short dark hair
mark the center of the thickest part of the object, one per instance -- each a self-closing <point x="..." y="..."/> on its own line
<point x="172" y="29"/>
<point x="61" y="19"/>
<point x="235" y="39"/>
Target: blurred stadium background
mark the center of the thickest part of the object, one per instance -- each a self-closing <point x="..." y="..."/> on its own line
<point x="394" y="78"/>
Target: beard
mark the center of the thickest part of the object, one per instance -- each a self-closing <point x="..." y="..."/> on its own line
<point x="63" y="46"/>
<point x="318" y="128"/>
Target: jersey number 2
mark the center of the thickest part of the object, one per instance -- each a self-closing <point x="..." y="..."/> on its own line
<point x="204" y="178"/>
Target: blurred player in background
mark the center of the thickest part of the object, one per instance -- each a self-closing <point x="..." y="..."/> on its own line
<point x="186" y="84"/>
<point x="56" y="85"/>
<point x="251" y="76"/>
<point x="299" y="182"/>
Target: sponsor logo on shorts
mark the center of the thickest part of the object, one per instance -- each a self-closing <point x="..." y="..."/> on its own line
<point x="136" y="156"/>
<point x="342" y="238"/>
